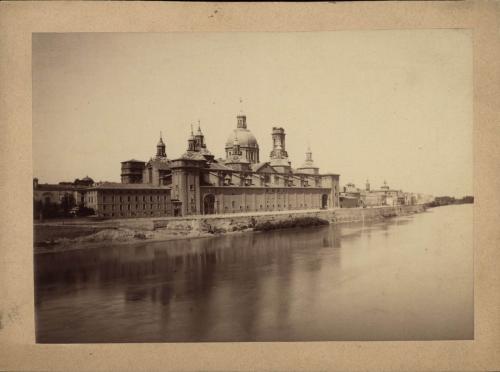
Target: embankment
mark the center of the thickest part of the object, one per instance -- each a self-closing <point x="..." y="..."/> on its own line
<point x="168" y="228"/>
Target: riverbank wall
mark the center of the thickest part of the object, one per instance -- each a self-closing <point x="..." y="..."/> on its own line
<point x="238" y="222"/>
<point x="65" y="235"/>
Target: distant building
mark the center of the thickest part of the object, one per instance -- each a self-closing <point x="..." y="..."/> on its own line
<point x="55" y="193"/>
<point x="383" y="196"/>
<point x="350" y="197"/>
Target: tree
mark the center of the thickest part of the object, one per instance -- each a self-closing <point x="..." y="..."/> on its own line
<point x="67" y="202"/>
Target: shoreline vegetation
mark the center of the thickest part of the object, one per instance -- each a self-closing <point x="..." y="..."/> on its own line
<point x="291" y="224"/>
<point x="69" y="235"/>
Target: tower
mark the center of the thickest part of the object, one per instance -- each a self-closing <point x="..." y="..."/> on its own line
<point x="367" y="188"/>
<point x="186" y="180"/>
<point x="160" y="148"/>
<point x="200" y="138"/>
<point x="308" y="165"/>
<point x="192" y="141"/>
<point x="279" y="156"/>
<point x="278" y="136"/>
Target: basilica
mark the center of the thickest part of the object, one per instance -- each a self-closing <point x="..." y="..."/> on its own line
<point x="197" y="183"/>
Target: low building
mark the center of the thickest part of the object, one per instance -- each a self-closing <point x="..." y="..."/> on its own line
<point x="116" y="200"/>
<point x="56" y="193"/>
<point x="350" y="197"/>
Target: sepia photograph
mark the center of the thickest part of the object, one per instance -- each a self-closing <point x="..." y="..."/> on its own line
<point x="253" y="186"/>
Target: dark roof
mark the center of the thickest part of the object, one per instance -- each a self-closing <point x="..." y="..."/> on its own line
<point x="160" y="163"/>
<point x="133" y="161"/>
<point x="59" y="187"/>
<point x="258" y="166"/>
<point x="125" y="186"/>
<point x="218" y="166"/>
<point x="329" y="174"/>
<point x="191" y="155"/>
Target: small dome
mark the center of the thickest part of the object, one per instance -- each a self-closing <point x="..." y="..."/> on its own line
<point x="245" y="138"/>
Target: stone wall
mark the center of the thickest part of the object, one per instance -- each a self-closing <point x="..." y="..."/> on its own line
<point x="214" y="223"/>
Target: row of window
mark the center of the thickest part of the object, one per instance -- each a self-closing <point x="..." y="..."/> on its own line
<point x="268" y="206"/>
<point x="135" y="214"/>
<point x="136" y="198"/>
<point x="144" y="206"/>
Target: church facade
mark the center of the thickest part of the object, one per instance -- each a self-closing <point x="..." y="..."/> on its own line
<point x="196" y="183"/>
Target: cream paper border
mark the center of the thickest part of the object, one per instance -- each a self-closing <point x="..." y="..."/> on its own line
<point x="18" y="20"/>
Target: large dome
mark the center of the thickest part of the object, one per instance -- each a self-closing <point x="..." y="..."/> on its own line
<point x="245" y="138"/>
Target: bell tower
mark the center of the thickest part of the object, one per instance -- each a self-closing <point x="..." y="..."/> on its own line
<point x="160" y="148"/>
<point x="278" y="151"/>
<point x="279" y="156"/>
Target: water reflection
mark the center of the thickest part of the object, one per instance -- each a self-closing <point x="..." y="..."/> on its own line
<point x="310" y="284"/>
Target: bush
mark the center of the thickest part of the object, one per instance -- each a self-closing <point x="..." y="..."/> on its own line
<point x="84" y="211"/>
<point x="291" y="223"/>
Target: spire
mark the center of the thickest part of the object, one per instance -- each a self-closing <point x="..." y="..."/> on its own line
<point x="309" y="154"/>
<point x="199" y="129"/>
<point x="160" y="142"/>
<point x="191" y="140"/>
<point x="160" y="148"/>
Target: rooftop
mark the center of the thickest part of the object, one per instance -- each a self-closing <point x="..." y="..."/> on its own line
<point x="129" y="186"/>
<point x="133" y="161"/>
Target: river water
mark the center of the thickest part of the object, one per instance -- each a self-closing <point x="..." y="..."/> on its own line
<point x="406" y="278"/>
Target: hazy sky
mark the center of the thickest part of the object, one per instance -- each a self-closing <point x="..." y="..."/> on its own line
<point x="394" y="105"/>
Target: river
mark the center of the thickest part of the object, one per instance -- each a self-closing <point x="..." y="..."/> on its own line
<point x="405" y="278"/>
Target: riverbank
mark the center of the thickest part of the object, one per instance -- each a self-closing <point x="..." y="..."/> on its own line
<point x="82" y="234"/>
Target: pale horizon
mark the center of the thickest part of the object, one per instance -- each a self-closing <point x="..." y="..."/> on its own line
<point x="378" y="105"/>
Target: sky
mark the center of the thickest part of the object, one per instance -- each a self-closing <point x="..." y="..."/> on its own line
<point x="392" y="105"/>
